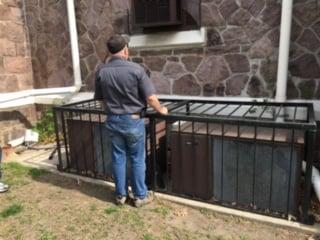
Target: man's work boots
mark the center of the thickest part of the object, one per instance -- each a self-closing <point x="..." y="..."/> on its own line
<point x="121" y="200"/>
<point x="141" y="202"/>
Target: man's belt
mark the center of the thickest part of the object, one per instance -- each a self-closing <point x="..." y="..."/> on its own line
<point x="135" y="116"/>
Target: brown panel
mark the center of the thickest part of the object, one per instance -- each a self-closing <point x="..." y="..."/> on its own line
<point x="202" y="167"/>
<point x="191" y="165"/>
<point x="176" y="163"/>
<point x="160" y="155"/>
<point x="81" y="145"/>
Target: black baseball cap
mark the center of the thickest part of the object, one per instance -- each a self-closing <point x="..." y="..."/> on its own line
<point x="116" y="43"/>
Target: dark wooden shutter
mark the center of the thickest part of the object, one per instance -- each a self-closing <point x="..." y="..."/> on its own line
<point x="150" y="13"/>
<point x="191" y="12"/>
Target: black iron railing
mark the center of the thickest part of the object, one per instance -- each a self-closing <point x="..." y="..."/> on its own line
<point x="244" y="155"/>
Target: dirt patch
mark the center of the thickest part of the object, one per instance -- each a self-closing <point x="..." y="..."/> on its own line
<point x="54" y="207"/>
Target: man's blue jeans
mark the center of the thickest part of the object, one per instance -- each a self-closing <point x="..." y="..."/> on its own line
<point x="128" y="142"/>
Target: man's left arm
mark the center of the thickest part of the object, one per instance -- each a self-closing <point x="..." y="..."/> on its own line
<point x="98" y="95"/>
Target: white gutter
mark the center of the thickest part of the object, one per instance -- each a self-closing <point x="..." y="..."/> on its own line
<point x="48" y="95"/>
<point x="284" y="46"/>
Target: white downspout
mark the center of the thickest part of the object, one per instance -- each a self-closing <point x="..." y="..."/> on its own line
<point x="74" y="44"/>
<point x="282" y="77"/>
<point x="14" y="99"/>
<point x="284" y="46"/>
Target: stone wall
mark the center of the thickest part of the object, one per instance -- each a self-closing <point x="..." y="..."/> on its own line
<point x="15" y="61"/>
<point x="50" y="43"/>
<point x="96" y="22"/>
<point x="15" y="68"/>
<point x="240" y="58"/>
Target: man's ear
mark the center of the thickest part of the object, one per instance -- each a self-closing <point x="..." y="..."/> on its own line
<point x="126" y="52"/>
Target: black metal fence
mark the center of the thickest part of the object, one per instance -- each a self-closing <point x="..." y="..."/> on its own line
<point x="244" y="155"/>
<point x="83" y="144"/>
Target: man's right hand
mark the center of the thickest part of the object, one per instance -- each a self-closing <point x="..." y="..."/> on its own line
<point x="153" y="101"/>
<point x="163" y="110"/>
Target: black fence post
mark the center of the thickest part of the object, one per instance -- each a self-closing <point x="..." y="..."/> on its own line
<point x="58" y="147"/>
<point x="153" y="143"/>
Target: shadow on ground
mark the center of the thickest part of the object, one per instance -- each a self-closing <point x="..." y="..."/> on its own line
<point x="104" y="193"/>
<point x="17" y="175"/>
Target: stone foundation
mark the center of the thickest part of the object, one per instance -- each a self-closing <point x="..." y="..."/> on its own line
<point x="14" y="122"/>
<point x="15" y="68"/>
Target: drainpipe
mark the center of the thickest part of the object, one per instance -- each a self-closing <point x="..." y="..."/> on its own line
<point x="282" y="77"/>
<point x="74" y="44"/>
<point x="10" y="100"/>
<point x="284" y="46"/>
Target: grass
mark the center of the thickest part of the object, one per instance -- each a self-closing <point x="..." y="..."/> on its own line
<point x="46" y="235"/>
<point x="244" y="237"/>
<point x="12" y="210"/>
<point x="44" y="206"/>
<point x="148" y="237"/>
<point x="16" y="174"/>
<point x="162" y="210"/>
<point x="111" y="210"/>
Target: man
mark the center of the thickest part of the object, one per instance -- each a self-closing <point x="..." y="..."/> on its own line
<point x="3" y="187"/>
<point x="125" y="90"/>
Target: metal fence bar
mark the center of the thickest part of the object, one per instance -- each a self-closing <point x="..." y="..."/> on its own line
<point x="220" y="110"/>
<point x="101" y="146"/>
<point x="197" y="107"/>
<point x="222" y="155"/>
<point x="295" y="114"/>
<point x="65" y="139"/>
<point x="254" y="166"/>
<point x="272" y="159"/>
<point x="168" y="153"/>
<point x="237" y="167"/>
<point x="236" y="109"/>
<point x="92" y="147"/>
<point x="210" y="107"/>
<point x="246" y="112"/>
<point x="153" y="150"/>
<point x="58" y="147"/>
<point x="278" y="113"/>
<point x="264" y="109"/>
<point x="290" y="169"/>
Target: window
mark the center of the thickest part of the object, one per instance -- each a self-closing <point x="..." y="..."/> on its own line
<point x="164" y="15"/>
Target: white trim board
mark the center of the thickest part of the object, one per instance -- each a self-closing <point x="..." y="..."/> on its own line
<point x="165" y="40"/>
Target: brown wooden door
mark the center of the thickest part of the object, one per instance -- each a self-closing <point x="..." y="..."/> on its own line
<point x="191" y="165"/>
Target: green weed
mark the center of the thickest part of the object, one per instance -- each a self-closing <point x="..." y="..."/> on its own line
<point x="111" y="210"/>
<point x="148" y="237"/>
<point x="18" y="175"/>
<point x="47" y="236"/>
<point x="14" y="209"/>
<point x="45" y="127"/>
<point x="164" y="211"/>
